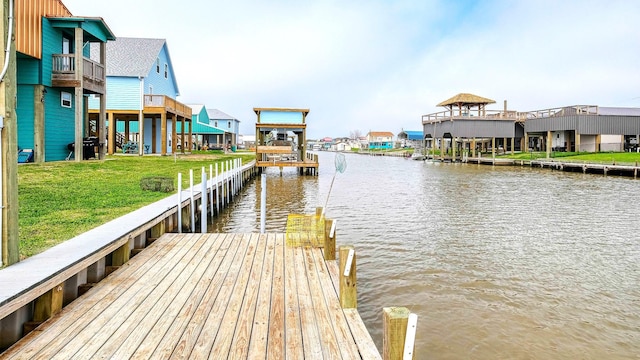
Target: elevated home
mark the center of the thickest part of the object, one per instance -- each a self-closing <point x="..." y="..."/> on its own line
<point x="589" y="128"/>
<point x="281" y="139"/>
<point x="411" y="138"/>
<point x="467" y="125"/>
<point x="205" y="134"/>
<point x="229" y="124"/>
<point x="380" y="140"/>
<point x="142" y="89"/>
<point x="55" y="74"/>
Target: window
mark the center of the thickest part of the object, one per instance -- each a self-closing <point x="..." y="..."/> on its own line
<point x="216" y="125"/>
<point x="65" y="99"/>
<point x="166" y="71"/>
<point x="158" y="65"/>
<point x="150" y="89"/>
<point x="229" y="124"/>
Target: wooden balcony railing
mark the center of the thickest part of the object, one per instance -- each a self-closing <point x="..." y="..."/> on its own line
<point x="64" y="73"/>
<point x="167" y="104"/>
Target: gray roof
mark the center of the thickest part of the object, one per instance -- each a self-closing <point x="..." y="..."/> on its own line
<point x="132" y="56"/>
<point x="619" y="111"/>
<point x="215" y="114"/>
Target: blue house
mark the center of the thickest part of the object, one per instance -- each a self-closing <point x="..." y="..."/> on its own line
<point x="228" y="123"/>
<point x="142" y="89"/>
<point x="55" y="75"/>
<point x="410" y="138"/>
<point x="204" y="133"/>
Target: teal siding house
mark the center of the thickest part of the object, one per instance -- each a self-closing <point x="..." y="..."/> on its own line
<point x="142" y="88"/>
<point x="205" y="134"/>
<point x="55" y="76"/>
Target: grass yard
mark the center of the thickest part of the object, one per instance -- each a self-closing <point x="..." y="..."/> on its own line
<point x="621" y="158"/>
<point x="60" y="200"/>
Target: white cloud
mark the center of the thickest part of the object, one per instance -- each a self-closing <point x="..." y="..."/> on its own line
<point x="380" y="65"/>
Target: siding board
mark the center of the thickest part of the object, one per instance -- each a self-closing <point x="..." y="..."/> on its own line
<point x="29" y="25"/>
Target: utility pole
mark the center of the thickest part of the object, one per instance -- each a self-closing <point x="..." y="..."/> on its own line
<point x="9" y="138"/>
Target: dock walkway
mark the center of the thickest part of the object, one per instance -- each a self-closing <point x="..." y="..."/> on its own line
<point x="236" y="296"/>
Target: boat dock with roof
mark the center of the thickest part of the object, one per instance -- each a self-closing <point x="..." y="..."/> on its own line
<point x="281" y="140"/>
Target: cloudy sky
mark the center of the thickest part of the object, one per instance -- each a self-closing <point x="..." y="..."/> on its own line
<point x="378" y="65"/>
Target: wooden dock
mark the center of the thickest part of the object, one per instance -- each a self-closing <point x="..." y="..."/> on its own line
<point x="236" y="296"/>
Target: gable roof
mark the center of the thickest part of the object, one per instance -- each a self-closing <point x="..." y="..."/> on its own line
<point x="381" y="133"/>
<point x="196" y="108"/>
<point x="135" y="57"/>
<point x="215" y="114"/>
<point x="412" y="135"/>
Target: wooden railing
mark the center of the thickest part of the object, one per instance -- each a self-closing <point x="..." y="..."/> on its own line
<point x="168" y="104"/>
<point x="473" y="114"/>
<point x="569" y="110"/>
<point x="63" y="72"/>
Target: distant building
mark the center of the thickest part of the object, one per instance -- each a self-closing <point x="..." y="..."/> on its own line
<point x="408" y="138"/>
<point x="380" y="140"/>
<point x="226" y="122"/>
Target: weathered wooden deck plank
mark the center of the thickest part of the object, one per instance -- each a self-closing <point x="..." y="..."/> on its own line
<point x="245" y="322"/>
<point x="275" y="340"/>
<point x="55" y="333"/>
<point x="179" y="342"/>
<point x="348" y="347"/>
<point x="108" y="336"/>
<point x="236" y="296"/>
<point x="214" y="320"/>
<point x="323" y="319"/>
<point x="163" y="313"/>
<point x="177" y="318"/>
<point x="293" y="329"/>
<point x="311" y="337"/>
<point x="260" y="328"/>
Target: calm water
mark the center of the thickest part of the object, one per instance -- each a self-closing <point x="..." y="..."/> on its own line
<point x="498" y="262"/>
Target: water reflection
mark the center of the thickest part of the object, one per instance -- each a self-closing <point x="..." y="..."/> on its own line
<point x="498" y="262"/>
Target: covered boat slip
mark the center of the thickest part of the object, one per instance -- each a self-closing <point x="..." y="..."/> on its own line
<point x="237" y="296"/>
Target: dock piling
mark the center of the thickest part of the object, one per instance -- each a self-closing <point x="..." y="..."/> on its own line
<point x="348" y="289"/>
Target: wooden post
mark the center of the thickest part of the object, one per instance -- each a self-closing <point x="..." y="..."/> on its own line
<point x="9" y="250"/>
<point x="348" y="290"/>
<point x="394" y="329"/>
<point x="158" y="229"/>
<point x="121" y="255"/>
<point x="39" y="97"/>
<point x="329" y="240"/>
<point x="48" y="304"/>
<point x="77" y="100"/>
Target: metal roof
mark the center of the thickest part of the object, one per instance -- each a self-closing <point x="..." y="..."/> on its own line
<point x="618" y="111"/>
<point x="412" y="134"/>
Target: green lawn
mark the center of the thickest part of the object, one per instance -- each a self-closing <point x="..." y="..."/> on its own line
<point x="626" y="158"/>
<point x="59" y="200"/>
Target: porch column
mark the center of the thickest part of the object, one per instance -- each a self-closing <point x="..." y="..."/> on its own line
<point x="163" y="133"/>
<point x="102" y="117"/>
<point x="473" y="148"/>
<point x="442" y="147"/>
<point x="79" y="42"/>
<point x="186" y="121"/>
<point x="112" y="134"/>
<point x="454" y="146"/>
<point x="493" y="147"/>
<point x="549" y="144"/>
<point x="513" y="145"/>
<point x="598" y="142"/>
<point x="38" y="123"/>
<point x="154" y="131"/>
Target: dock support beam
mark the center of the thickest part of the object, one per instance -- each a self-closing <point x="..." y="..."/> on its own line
<point x="329" y="239"/>
<point x="395" y="320"/>
<point x="348" y="290"/>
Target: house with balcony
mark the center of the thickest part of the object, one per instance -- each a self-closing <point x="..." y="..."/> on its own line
<point x="380" y="140"/>
<point x="55" y="76"/>
<point x="142" y="89"/>
<point x="229" y="124"/>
